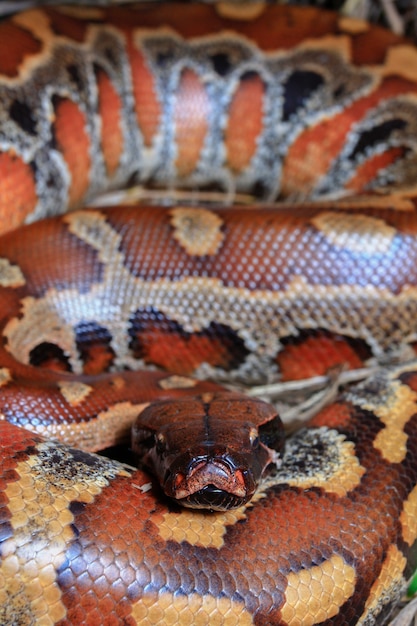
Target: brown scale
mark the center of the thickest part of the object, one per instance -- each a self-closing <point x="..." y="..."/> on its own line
<point x="49" y="255"/>
<point x="133" y="567"/>
<point x="330" y="535"/>
<point x="295" y="248"/>
<point x="23" y="44"/>
<point x="245" y="148"/>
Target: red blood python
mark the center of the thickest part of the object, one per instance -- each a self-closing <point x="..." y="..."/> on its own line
<point x="280" y="103"/>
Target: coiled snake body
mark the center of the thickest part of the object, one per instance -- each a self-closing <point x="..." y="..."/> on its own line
<point x="279" y="103"/>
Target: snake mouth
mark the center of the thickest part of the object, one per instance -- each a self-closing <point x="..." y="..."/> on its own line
<point x="213" y="499"/>
<point x="211" y="483"/>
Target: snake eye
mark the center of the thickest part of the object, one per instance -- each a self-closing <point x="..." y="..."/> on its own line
<point x="254" y="437"/>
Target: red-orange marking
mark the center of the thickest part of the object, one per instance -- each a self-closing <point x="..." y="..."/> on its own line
<point x="17" y="44"/>
<point x="333" y="416"/>
<point x="311" y="154"/>
<point x="98" y="359"/>
<point x="74" y="143"/>
<point x="368" y="170"/>
<point x="17" y="190"/>
<point x="315" y="356"/>
<point x="191" y="121"/>
<point x="65" y="25"/>
<point x="245" y="122"/>
<point x="110" y="110"/>
<point x="182" y="354"/>
<point x="147" y="106"/>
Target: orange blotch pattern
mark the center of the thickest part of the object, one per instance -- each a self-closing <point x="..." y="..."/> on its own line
<point x="370" y="168"/>
<point x="191" y="113"/>
<point x="65" y="25"/>
<point x="334" y="416"/>
<point x="110" y="110"/>
<point x="18" y="195"/>
<point x="73" y="141"/>
<point x="147" y="106"/>
<point x="98" y="360"/>
<point x="182" y="355"/>
<point x="311" y="154"/>
<point x="17" y="44"/>
<point x="245" y="122"/>
<point x="315" y="356"/>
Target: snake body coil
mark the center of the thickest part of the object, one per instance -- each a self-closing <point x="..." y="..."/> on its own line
<point x="281" y="104"/>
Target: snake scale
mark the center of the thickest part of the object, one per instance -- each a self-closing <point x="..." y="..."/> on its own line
<point x="315" y="116"/>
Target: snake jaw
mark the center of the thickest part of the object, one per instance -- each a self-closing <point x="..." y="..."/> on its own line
<point x="211" y="483"/>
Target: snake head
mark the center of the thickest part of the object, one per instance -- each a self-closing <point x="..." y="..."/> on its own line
<point x="210" y="451"/>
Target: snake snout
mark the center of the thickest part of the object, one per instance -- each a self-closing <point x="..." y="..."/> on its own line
<point x="208" y="451"/>
<point x="212" y="483"/>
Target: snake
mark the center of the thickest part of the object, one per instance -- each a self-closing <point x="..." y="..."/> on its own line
<point x="292" y="254"/>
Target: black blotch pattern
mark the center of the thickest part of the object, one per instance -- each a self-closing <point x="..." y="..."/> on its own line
<point x="75" y="76"/>
<point x="111" y="56"/>
<point x="359" y="346"/>
<point x="90" y="337"/>
<point x="21" y="113"/>
<point x="88" y="332"/>
<point x="221" y="63"/>
<point x="260" y="189"/>
<point x="77" y="507"/>
<point x="163" y="57"/>
<point x="79" y="456"/>
<point x="46" y="353"/>
<point x="299" y="87"/>
<point x="149" y="321"/>
<point x="377" y="134"/>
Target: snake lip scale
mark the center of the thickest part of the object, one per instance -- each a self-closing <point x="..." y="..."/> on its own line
<point x="147" y="316"/>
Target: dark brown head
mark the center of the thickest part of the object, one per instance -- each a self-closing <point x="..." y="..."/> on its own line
<point x="209" y="451"/>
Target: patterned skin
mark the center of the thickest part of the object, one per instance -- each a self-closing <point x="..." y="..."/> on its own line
<point x="279" y="103"/>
